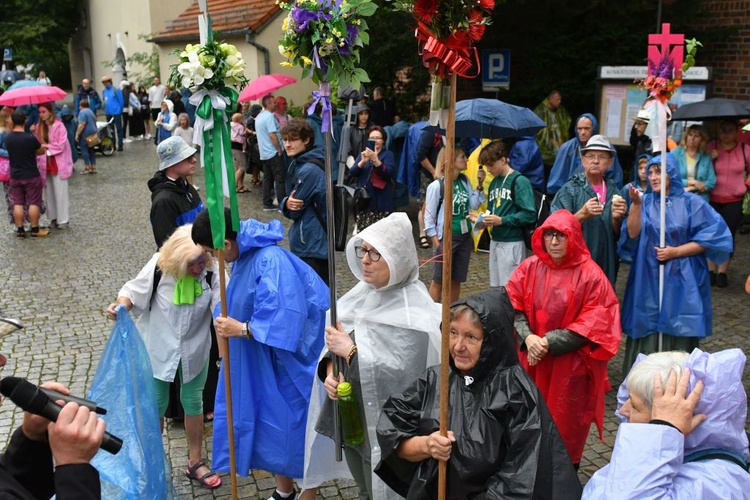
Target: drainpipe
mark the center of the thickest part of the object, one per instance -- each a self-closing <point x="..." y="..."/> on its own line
<point x="264" y="50"/>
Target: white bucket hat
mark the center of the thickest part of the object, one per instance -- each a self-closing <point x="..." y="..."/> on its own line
<point x="172" y="151"/>
<point x="643" y="116"/>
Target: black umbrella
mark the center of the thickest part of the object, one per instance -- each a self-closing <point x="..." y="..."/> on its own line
<point x="716" y="108"/>
<point x="10" y="76"/>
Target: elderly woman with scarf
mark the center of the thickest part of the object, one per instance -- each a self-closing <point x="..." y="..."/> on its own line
<point x="58" y="165"/>
<point x="501" y="443"/>
<point x="174" y="295"/>
<point x="567" y="321"/>
<point x="679" y="440"/>
<point x="388" y="333"/>
<point x="694" y="232"/>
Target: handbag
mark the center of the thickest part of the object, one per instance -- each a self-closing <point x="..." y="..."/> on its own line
<point x="361" y="196"/>
<point x="93" y="140"/>
<point x="4" y="169"/>
<point x="51" y="165"/>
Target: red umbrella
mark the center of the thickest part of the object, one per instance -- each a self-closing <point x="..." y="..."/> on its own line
<point x="31" y="95"/>
<point x="264" y="85"/>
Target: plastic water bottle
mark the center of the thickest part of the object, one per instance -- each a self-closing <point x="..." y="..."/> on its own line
<point x="350" y="420"/>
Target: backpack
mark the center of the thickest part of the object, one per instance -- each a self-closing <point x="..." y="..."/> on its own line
<point x="542" y="204"/>
<point x="340" y="211"/>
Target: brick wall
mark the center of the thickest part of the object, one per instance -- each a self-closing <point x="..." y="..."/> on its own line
<point x="730" y="58"/>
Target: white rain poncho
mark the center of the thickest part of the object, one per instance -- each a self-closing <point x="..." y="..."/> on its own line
<point x="397" y="331"/>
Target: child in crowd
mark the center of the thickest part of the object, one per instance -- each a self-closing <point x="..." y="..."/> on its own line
<point x="238" y="151"/>
<point x="511" y="207"/>
<point x="185" y="132"/>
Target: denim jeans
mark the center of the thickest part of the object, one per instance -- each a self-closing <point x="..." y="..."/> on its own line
<point x="89" y="156"/>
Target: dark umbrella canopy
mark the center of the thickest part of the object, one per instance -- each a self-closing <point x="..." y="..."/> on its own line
<point x="493" y="119"/>
<point x="716" y="108"/>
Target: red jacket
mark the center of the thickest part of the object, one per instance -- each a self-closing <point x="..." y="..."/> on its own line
<point x="575" y="295"/>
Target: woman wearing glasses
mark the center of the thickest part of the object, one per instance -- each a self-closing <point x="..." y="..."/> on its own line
<point x="373" y="169"/>
<point x="568" y="326"/>
<point x="388" y="334"/>
<point x="596" y="203"/>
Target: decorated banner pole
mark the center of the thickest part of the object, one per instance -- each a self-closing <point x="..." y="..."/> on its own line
<point x="446" y="32"/>
<point x="665" y="68"/>
<point x="208" y="70"/>
<point x="324" y="38"/>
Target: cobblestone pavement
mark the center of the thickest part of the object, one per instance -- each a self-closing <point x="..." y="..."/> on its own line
<point x="61" y="285"/>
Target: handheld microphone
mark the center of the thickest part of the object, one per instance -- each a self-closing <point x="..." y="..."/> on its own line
<point x="30" y="398"/>
<point x="54" y="396"/>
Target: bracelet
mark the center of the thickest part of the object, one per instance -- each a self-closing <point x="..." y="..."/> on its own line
<point x="349" y="356"/>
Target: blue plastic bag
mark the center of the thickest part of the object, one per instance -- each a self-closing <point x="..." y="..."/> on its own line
<point x="123" y="384"/>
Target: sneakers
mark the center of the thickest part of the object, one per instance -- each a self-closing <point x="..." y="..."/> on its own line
<point x="277" y="496"/>
<point x="63" y="226"/>
<point x="271" y="208"/>
<point x="21" y="232"/>
<point x="147" y="136"/>
<point x="127" y="141"/>
<point x="37" y="232"/>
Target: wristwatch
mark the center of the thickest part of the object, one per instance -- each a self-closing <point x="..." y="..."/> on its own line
<point x="246" y="330"/>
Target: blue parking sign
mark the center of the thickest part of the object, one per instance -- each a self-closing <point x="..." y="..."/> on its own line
<point x="7" y="54"/>
<point x="496" y="67"/>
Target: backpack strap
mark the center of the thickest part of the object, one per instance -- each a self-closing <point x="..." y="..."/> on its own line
<point x="716" y="453"/>
<point x="157" y="279"/>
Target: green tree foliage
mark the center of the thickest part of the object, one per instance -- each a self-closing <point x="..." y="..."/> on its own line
<point x="554" y="44"/>
<point x="392" y="61"/>
<point x="38" y="31"/>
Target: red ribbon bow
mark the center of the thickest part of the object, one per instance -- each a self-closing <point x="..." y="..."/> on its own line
<point x="445" y="58"/>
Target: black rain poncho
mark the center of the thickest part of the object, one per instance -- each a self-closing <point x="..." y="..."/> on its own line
<point x="507" y="445"/>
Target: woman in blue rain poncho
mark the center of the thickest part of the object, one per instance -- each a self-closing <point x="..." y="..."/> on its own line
<point x="661" y="454"/>
<point x="694" y="232"/>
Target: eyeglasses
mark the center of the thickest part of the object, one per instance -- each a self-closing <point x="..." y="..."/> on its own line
<point x="373" y="254"/>
<point x="549" y="234"/>
<point x="378" y="138"/>
<point x="597" y="157"/>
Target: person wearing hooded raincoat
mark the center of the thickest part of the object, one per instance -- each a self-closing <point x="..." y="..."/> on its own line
<point x="651" y="461"/>
<point x="396" y="328"/>
<point x="640" y="179"/>
<point x="568" y="161"/>
<point x="571" y="305"/>
<point x="276" y="308"/>
<point x="695" y="232"/>
<point x="506" y="443"/>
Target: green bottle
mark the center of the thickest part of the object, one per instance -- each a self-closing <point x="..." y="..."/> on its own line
<point x="350" y="421"/>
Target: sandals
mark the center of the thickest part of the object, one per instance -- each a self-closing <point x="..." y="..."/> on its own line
<point x="424" y="242"/>
<point x="241" y="190"/>
<point x="191" y="474"/>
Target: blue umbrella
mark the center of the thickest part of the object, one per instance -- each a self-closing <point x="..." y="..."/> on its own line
<point x="494" y="119"/>
<point x="25" y="83"/>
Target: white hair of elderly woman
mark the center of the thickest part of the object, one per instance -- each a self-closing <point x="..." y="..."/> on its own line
<point x="641" y="377"/>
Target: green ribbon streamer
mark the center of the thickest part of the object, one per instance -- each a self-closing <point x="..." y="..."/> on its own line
<point x="217" y="145"/>
<point x="186" y="290"/>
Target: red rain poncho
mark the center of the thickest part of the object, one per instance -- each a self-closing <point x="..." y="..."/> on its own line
<point x="577" y="296"/>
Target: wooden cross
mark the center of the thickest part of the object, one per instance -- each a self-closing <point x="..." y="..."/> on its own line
<point x="666" y="44"/>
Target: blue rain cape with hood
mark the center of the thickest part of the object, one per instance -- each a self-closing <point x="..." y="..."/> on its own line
<point x="285" y="302"/>
<point x="686" y="310"/>
<point x="647" y="460"/>
<point x="568" y="161"/>
<point x="636" y="182"/>
<point x="397" y="332"/>
<point x="507" y="445"/>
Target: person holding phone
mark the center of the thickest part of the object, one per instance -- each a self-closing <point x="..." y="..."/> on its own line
<point x="373" y="169"/>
